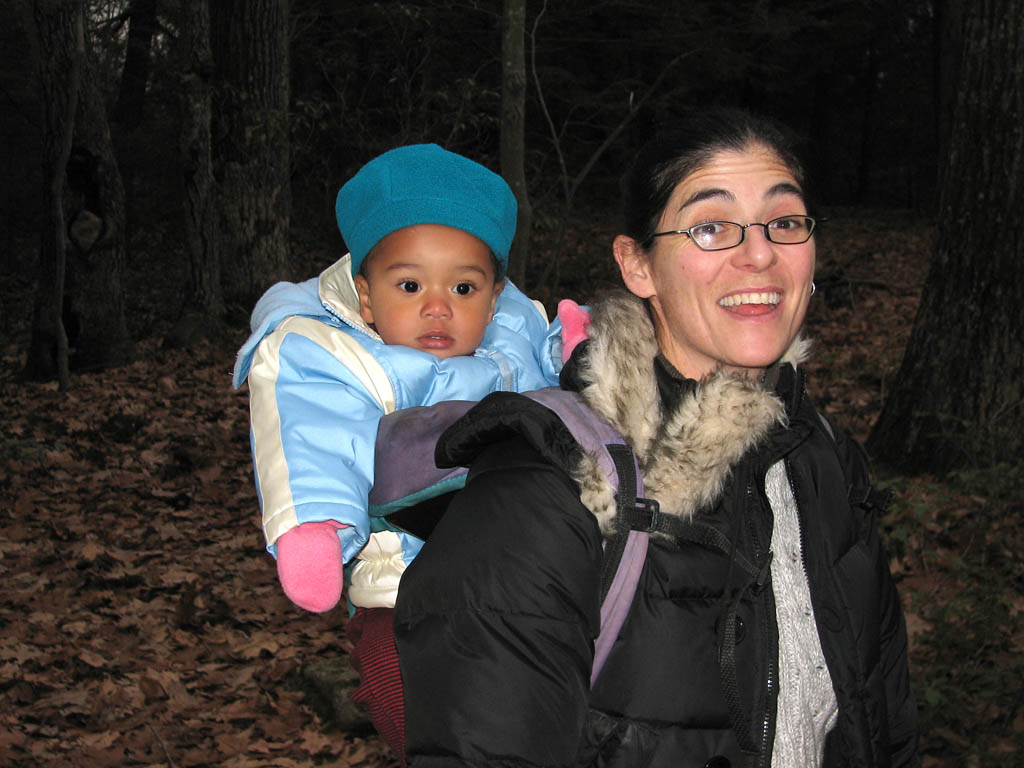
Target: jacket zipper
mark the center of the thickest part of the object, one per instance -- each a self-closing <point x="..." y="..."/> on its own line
<point x="763" y="758"/>
<point x="799" y="525"/>
<point x="803" y="565"/>
<point x="770" y="677"/>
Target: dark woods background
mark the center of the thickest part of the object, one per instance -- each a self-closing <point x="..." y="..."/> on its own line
<point x="331" y="84"/>
<point x="165" y="161"/>
<point x="184" y="155"/>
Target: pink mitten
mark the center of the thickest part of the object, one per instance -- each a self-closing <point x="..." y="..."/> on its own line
<point x="575" y="322"/>
<point x="309" y="565"/>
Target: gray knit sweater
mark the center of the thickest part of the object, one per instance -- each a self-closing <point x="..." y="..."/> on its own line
<point x="807" y="706"/>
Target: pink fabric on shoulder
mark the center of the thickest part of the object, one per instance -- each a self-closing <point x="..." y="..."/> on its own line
<point x="575" y="324"/>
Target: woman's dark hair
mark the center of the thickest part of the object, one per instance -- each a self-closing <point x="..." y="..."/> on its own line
<point x="673" y="155"/>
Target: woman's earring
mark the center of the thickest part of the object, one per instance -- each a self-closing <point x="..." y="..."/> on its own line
<point x="813" y="288"/>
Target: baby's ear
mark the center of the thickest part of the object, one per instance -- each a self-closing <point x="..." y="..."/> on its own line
<point x="365" y="307"/>
<point x="499" y="286"/>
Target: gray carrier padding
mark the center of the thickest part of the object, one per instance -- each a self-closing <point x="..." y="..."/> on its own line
<point x="406" y="476"/>
<point x="404" y="470"/>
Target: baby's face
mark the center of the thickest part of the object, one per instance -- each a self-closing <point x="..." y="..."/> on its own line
<point x="429" y="287"/>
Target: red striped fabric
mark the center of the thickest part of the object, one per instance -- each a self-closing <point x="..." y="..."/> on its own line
<point x="375" y="657"/>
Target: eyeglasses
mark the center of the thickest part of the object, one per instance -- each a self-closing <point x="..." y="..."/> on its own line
<point x="719" y="235"/>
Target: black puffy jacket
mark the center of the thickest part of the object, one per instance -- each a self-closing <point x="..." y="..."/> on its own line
<point x="496" y="617"/>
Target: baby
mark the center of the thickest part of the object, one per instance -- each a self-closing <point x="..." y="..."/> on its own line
<point x="417" y="313"/>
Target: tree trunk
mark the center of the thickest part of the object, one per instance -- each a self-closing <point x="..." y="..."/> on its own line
<point x="95" y="205"/>
<point x="957" y="401"/>
<point x="251" y="160"/>
<point x="948" y="44"/>
<point x="131" y="98"/>
<point x="204" y="304"/>
<point x="57" y="33"/>
<point x="513" y="141"/>
<point x="137" y="63"/>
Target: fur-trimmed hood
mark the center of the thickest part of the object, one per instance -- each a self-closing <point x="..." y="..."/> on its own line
<point x="685" y="455"/>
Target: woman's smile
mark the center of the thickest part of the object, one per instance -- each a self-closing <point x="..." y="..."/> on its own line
<point x="753" y="302"/>
<point x="740" y="306"/>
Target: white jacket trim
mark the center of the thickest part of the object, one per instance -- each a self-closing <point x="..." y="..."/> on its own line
<point x="337" y="289"/>
<point x="268" y="456"/>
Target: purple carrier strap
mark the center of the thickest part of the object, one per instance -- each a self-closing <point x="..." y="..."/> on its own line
<point x="595" y="435"/>
<point x="590" y="430"/>
<point x="405" y="463"/>
<point x="404" y="454"/>
<point x="617" y="602"/>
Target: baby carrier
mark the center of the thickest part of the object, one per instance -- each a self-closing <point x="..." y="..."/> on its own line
<point x="410" y="494"/>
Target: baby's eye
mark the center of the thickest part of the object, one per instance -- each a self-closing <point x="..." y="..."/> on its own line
<point x="464" y="289"/>
<point x="409" y="286"/>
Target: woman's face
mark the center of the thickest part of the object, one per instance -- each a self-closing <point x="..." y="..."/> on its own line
<point x="737" y="308"/>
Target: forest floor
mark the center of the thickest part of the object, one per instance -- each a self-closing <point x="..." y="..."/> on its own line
<point x="141" y="622"/>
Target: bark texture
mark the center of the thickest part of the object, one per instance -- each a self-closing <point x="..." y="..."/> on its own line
<point x="201" y="235"/>
<point x="137" y="63"/>
<point x="251" y="161"/>
<point x="513" y="124"/>
<point x="957" y="401"/>
<point x="55" y="30"/>
<point x="97" y="258"/>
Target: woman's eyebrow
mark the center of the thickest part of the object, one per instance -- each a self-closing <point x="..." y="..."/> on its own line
<point x="707" y="194"/>
<point x="784" y="188"/>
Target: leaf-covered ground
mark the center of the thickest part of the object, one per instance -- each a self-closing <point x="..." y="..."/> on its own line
<point x="140" y="618"/>
<point x="140" y="621"/>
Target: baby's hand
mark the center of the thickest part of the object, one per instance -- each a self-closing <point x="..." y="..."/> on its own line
<point x="575" y="322"/>
<point x="309" y="565"/>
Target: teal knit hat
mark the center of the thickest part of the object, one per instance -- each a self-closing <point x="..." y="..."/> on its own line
<point x="425" y="184"/>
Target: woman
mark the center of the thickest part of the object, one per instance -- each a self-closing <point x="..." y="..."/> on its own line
<point x="766" y="629"/>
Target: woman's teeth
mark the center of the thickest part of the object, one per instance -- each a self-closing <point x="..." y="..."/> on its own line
<point x="767" y="297"/>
